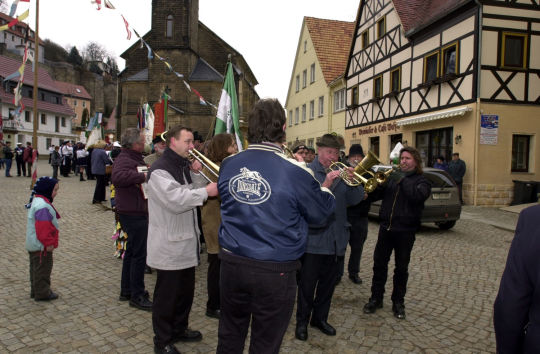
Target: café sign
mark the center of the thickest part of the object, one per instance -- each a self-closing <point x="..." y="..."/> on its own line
<point x="379" y="128"/>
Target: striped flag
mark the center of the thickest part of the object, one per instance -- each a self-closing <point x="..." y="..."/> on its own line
<point x="227" y="119"/>
<point x="127" y="28"/>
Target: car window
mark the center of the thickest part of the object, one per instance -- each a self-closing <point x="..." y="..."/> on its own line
<point x="439" y="179"/>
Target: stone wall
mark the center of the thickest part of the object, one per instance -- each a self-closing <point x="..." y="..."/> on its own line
<point x="489" y="194"/>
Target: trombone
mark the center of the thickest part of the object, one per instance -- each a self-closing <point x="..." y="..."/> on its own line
<point x="206" y="162"/>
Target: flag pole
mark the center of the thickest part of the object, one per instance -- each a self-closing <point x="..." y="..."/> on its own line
<point x="35" y="125"/>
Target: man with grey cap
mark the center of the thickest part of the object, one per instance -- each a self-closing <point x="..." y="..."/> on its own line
<point x="326" y="245"/>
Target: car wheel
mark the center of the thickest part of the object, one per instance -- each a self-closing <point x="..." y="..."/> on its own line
<point x="446" y="225"/>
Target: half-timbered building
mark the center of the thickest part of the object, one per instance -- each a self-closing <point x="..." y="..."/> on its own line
<point x="450" y="76"/>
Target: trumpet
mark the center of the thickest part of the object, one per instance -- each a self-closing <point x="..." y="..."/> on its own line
<point x="206" y="162"/>
<point x="382" y="177"/>
<point x="363" y="167"/>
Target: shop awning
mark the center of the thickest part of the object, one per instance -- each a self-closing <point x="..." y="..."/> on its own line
<point x="434" y="116"/>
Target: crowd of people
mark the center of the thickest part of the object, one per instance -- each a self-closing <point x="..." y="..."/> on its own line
<point x="276" y="228"/>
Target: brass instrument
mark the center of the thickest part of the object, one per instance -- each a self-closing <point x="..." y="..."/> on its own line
<point x="288" y="152"/>
<point x="206" y="162"/>
<point x="382" y="177"/>
<point x="363" y="167"/>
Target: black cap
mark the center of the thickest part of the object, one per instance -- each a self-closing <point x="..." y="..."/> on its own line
<point x="299" y="147"/>
<point x="356" y="149"/>
<point x="157" y="139"/>
<point x="197" y="136"/>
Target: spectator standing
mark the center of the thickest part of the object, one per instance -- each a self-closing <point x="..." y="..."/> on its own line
<point x="67" y="155"/>
<point x="132" y="209"/>
<point x="516" y="315"/>
<point x="310" y="156"/>
<point x="100" y="159"/>
<point x="51" y="150"/>
<point x="457" y="169"/>
<point x="19" y="151"/>
<point x="42" y="237"/>
<point x="82" y="156"/>
<point x="56" y="161"/>
<point x="27" y="158"/>
<point x="441" y="164"/>
<point x="159" y="148"/>
<point x="8" y="157"/>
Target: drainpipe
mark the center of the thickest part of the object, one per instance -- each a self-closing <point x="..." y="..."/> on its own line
<point x="478" y="106"/>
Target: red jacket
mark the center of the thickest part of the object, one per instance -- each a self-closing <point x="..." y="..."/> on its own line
<point x="127" y="183"/>
<point x="27" y="154"/>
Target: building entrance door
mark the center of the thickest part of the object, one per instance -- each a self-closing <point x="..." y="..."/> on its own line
<point x="434" y="143"/>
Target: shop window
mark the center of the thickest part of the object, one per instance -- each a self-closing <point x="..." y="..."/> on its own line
<point x="394" y="139"/>
<point x="304" y="113"/>
<point x="521" y="145"/>
<point x="395" y="80"/>
<point x="365" y="39"/>
<point x="431" y="67"/>
<point x="43" y="119"/>
<point x="321" y="106"/>
<point x="374" y="144"/>
<point x="514" y="50"/>
<point x="296" y="115"/>
<point x="377" y="87"/>
<point x="304" y="79"/>
<point x="311" y="109"/>
<point x="450" y="60"/>
<point x="354" y="96"/>
<point x="381" y="27"/>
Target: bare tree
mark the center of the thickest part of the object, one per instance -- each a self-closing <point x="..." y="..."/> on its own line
<point x="94" y="52"/>
<point x="3" y="6"/>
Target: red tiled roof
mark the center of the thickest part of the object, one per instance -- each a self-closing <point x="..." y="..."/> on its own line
<point x="62" y="109"/>
<point x="16" y="30"/>
<point x="73" y="90"/>
<point x="415" y="14"/>
<point x="9" y="65"/>
<point x="332" y="41"/>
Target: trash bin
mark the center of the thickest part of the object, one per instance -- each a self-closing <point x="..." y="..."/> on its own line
<point x="524" y="192"/>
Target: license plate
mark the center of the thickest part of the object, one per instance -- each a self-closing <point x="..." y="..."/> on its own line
<point x="441" y="195"/>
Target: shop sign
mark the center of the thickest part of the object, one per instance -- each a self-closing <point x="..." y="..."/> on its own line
<point x="379" y="128"/>
<point x="489" y="129"/>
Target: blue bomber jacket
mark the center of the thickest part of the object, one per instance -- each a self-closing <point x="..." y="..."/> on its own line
<point x="267" y="202"/>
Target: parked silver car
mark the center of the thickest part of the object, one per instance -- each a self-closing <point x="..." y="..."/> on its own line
<point x="442" y="207"/>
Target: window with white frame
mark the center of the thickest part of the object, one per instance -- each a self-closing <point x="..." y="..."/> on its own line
<point x="312" y="73"/>
<point x="310" y="142"/>
<point x="304" y="113"/>
<point x="304" y="79"/>
<point x="296" y="115"/>
<point x="339" y="100"/>
<point x="311" y="109"/>
<point x="63" y="120"/>
<point x="43" y="119"/>
<point x="521" y="148"/>
<point x="27" y="116"/>
<point x="297" y="83"/>
<point x="321" y="106"/>
<point x="290" y="118"/>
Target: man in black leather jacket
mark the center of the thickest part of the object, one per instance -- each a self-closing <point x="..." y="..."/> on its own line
<point x="403" y="200"/>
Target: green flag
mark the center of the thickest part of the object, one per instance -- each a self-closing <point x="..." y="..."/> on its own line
<point x="227" y="120"/>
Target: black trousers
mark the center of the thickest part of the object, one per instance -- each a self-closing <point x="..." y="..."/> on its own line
<point x="41" y="264"/>
<point x="266" y="298"/>
<point x="99" y="192"/>
<point x="316" y="287"/>
<point x="401" y="243"/>
<point x="357" y="238"/>
<point x="134" y="261"/>
<point x="173" y="297"/>
<point x="460" y="189"/>
<point x="21" y="166"/>
<point x="212" y="282"/>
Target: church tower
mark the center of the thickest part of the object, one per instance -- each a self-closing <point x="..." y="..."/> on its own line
<point x="175" y="24"/>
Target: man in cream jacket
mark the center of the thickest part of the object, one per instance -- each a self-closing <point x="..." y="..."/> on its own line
<point x="175" y="188"/>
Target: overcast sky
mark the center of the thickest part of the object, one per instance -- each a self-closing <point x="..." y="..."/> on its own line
<point x="264" y="32"/>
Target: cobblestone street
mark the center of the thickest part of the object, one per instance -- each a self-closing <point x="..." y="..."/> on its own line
<point x="454" y="278"/>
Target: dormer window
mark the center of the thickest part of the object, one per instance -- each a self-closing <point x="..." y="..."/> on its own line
<point x="169" y="32"/>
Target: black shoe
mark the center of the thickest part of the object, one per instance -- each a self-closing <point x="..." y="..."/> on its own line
<point x="213" y="313"/>
<point x="52" y="296"/>
<point x="168" y="349"/>
<point x="301" y="332"/>
<point x="372" y="306"/>
<point x="324" y="327"/>
<point x="188" y="336"/>
<point x="338" y="280"/>
<point x="124" y="297"/>
<point x="96" y="202"/>
<point x="355" y="278"/>
<point x="399" y="311"/>
<point x="141" y="302"/>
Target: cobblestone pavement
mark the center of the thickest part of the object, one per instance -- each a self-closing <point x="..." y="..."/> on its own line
<point x="454" y="278"/>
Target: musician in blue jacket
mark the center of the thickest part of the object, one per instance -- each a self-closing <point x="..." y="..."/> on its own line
<point x="267" y="202"/>
<point x="327" y="243"/>
<point x="517" y="306"/>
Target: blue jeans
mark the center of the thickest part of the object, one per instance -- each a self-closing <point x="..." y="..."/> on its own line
<point x="136" y="227"/>
<point x="8" y="166"/>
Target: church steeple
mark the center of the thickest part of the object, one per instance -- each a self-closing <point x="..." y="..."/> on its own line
<point x="175" y="23"/>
